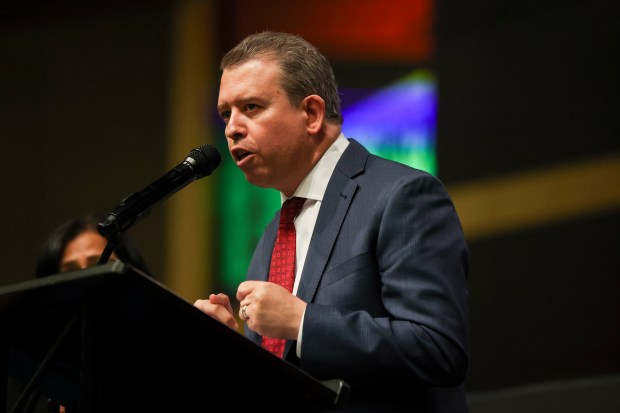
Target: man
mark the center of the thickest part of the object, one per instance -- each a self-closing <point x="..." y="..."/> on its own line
<point x="379" y="296"/>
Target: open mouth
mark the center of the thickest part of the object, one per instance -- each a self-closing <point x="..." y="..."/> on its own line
<point x="240" y="154"/>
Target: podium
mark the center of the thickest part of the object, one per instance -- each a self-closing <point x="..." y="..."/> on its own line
<point x="111" y="339"/>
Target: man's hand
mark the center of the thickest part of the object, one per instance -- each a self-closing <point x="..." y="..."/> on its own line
<point x="270" y="309"/>
<point x="218" y="306"/>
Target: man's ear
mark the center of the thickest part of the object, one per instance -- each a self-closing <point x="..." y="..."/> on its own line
<point x="314" y="106"/>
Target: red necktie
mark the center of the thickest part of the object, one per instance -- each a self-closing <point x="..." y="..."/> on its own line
<point x="282" y="268"/>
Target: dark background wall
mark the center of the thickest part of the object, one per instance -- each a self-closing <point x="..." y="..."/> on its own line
<point x="528" y="87"/>
<point x="524" y="87"/>
<point x="84" y="106"/>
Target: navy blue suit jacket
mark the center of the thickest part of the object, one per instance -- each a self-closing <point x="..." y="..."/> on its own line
<point x="385" y="282"/>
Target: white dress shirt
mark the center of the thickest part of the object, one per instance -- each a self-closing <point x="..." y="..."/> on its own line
<point x="312" y="187"/>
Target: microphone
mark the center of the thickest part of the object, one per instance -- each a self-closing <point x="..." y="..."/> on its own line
<point x="200" y="162"/>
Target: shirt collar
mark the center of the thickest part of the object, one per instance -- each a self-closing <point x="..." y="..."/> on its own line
<point x="313" y="186"/>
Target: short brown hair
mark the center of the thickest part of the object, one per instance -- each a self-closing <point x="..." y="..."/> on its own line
<point x="305" y="70"/>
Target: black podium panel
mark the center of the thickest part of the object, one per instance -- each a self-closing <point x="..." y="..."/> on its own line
<point x="110" y="339"/>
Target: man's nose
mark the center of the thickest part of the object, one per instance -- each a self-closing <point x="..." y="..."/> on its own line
<point x="235" y="127"/>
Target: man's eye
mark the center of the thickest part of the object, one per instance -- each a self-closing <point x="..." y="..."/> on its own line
<point x="225" y="115"/>
<point x="250" y="106"/>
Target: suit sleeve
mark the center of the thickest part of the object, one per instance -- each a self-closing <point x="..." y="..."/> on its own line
<point x="417" y="257"/>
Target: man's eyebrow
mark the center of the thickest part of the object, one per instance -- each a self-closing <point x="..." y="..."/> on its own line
<point x="243" y="101"/>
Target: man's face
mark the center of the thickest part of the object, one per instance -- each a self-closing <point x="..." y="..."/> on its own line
<point x="266" y="134"/>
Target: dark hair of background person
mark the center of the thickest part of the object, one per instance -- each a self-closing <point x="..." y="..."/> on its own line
<point x="53" y="248"/>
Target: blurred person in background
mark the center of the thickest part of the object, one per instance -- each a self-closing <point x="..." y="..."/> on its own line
<point x="76" y="245"/>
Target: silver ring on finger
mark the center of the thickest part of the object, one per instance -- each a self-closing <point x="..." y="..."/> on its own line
<point x="245" y="316"/>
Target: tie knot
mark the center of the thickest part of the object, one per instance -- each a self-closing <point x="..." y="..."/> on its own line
<point x="290" y="209"/>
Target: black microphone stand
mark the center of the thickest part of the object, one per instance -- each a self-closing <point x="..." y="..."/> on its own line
<point x="114" y="239"/>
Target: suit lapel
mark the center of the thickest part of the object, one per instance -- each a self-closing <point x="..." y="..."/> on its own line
<point x="336" y="202"/>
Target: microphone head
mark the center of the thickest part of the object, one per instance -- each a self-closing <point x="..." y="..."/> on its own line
<point x="206" y="158"/>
